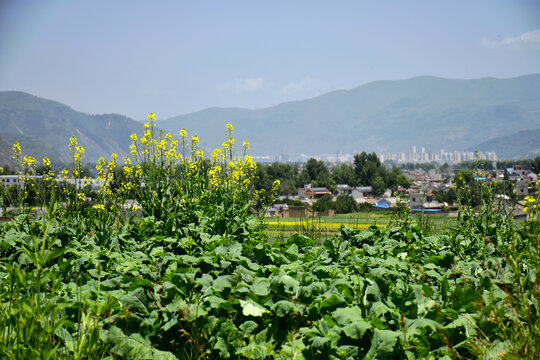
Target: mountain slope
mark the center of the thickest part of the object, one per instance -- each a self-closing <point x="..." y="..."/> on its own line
<point x="44" y="127"/>
<point x="381" y="116"/>
<point x="521" y="145"/>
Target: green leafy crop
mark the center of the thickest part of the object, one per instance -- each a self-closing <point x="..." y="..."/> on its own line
<point x="192" y="276"/>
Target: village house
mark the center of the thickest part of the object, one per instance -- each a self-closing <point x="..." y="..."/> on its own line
<point x="423" y="200"/>
<point x="344" y="189"/>
<point x="314" y="193"/>
<point x="361" y="192"/>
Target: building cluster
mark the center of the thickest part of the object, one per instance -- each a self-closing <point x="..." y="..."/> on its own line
<point x="451" y="157"/>
<point x="441" y="157"/>
<point x="303" y="158"/>
<point x="17" y="180"/>
<point x="420" y="196"/>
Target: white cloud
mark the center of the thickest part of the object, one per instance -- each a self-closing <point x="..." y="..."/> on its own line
<point x="528" y="38"/>
<point x="306" y="84"/>
<point x="242" y="85"/>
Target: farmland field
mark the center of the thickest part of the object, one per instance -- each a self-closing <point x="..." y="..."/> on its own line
<point x="330" y="225"/>
<point x="196" y="277"/>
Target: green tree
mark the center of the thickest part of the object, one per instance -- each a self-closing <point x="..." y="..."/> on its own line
<point x="317" y="173"/>
<point x="324" y="203"/>
<point x="345" y="204"/>
<point x="344" y="174"/>
<point x="378" y="185"/>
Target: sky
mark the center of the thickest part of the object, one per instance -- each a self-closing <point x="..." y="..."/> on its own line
<point x="173" y="57"/>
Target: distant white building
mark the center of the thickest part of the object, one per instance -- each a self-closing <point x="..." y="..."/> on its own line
<point x="9" y="180"/>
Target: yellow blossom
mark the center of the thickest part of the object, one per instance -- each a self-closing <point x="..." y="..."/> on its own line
<point x="217" y="154"/>
<point x="16" y="150"/>
<point x="29" y="161"/>
<point x="100" y="207"/>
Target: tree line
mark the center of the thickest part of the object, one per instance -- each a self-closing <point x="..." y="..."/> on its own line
<point x="366" y="170"/>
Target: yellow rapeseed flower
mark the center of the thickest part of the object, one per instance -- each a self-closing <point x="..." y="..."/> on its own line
<point x="16" y="150"/>
<point x="100" y="207"/>
<point x="217" y="154"/>
<point x="73" y="141"/>
<point x="151" y="116"/>
<point x="29" y="161"/>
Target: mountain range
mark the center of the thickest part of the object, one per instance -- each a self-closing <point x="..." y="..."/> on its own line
<point x="382" y="116"/>
<point x="521" y="145"/>
<point x="43" y="128"/>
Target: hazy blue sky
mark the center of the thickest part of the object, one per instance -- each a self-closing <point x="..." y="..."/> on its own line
<point x="172" y="57"/>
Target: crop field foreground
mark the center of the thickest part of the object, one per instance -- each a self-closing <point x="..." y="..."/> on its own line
<point x="193" y="275"/>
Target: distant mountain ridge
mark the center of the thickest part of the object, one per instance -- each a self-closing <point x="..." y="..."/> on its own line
<point x="381" y="116"/>
<point x="521" y="145"/>
<point x="43" y="127"/>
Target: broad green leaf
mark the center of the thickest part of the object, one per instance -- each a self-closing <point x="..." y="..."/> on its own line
<point x="300" y="240"/>
<point x="378" y="309"/>
<point x="222" y="347"/>
<point x="466" y="321"/>
<point x="289" y="283"/>
<point x="222" y="282"/>
<point x="284" y="307"/>
<point x="251" y="309"/>
<point x="357" y="329"/>
<point x="347" y="315"/>
<point x="319" y="341"/>
<point x="415" y="326"/>
<point x="330" y="303"/>
<point x="215" y="301"/>
<point x="261" y="286"/>
<point x="248" y="327"/>
<point x="383" y="341"/>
